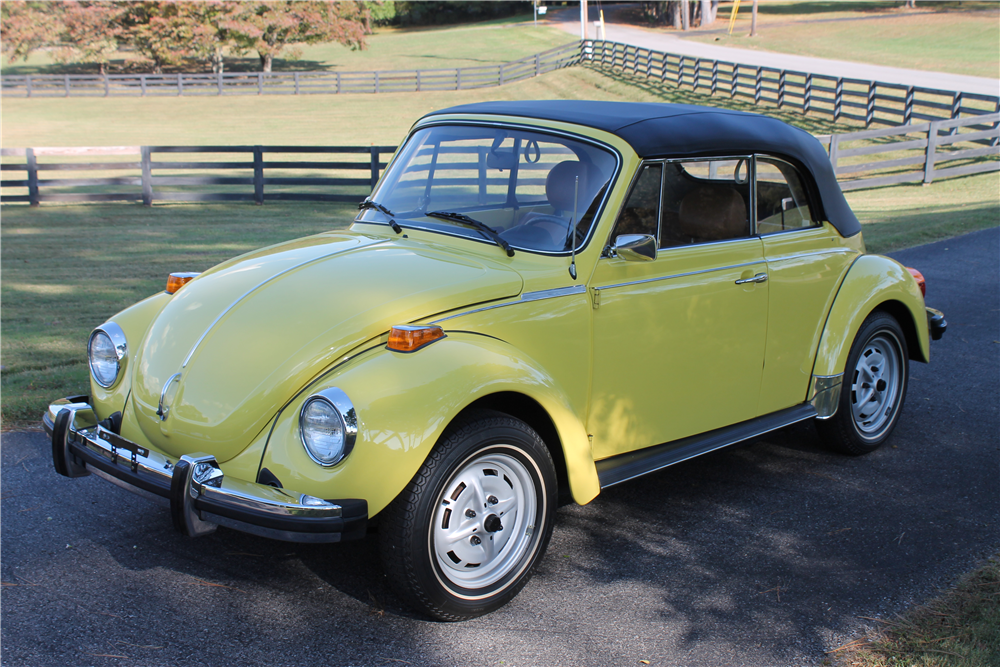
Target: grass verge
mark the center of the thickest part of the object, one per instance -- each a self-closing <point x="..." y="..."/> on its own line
<point x="956" y="37"/>
<point x="961" y="628"/>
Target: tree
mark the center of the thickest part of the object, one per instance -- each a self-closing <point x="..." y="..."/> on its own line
<point x="709" y="9"/>
<point x="753" y="20"/>
<point x="91" y="32"/>
<point x="270" y="27"/>
<point x="27" y="26"/>
<point x="166" y="33"/>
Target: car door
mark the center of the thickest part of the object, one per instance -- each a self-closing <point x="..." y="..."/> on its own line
<point x="679" y="340"/>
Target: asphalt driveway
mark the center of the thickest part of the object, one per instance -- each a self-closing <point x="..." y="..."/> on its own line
<point x="770" y="554"/>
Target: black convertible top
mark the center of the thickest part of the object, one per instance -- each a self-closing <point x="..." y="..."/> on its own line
<point x="686" y="130"/>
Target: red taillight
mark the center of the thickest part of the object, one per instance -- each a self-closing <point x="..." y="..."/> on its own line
<point x="919" y="277"/>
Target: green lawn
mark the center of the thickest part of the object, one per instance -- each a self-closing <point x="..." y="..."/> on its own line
<point x="488" y="43"/>
<point x="957" y="37"/>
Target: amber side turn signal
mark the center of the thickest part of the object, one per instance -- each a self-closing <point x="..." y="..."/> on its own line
<point x="921" y="283"/>
<point x="410" y="338"/>
<point x="175" y="281"/>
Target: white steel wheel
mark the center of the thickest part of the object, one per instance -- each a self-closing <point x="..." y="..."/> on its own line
<point x="464" y="536"/>
<point x="873" y="389"/>
<point x="484" y="521"/>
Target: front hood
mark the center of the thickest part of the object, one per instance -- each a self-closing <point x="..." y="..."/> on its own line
<point x="247" y="335"/>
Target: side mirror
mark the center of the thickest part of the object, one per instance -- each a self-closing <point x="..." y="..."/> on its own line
<point x="635" y="248"/>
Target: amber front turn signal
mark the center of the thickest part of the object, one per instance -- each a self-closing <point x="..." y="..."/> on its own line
<point x="410" y="338"/>
<point x="919" y="277"/>
<point x="175" y="281"/>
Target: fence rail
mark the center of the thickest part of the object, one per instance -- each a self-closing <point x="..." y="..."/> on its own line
<point x="921" y="152"/>
<point x="194" y="173"/>
<point x="870" y="102"/>
<point x="289" y="83"/>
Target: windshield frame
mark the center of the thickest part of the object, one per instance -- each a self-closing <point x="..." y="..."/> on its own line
<point x="463" y="232"/>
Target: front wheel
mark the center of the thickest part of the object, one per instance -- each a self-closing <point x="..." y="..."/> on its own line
<point x="874" y="388"/>
<point x="463" y="537"/>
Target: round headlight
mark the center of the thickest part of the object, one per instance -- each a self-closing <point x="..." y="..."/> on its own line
<point x="322" y="430"/>
<point x="106" y="352"/>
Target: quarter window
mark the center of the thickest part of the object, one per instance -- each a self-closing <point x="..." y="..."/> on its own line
<point x="639" y="216"/>
<point x="782" y="203"/>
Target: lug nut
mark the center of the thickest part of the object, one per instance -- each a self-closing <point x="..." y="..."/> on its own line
<point x="492" y="500"/>
<point x="470" y="513"/>
<point x="475" y="540"/>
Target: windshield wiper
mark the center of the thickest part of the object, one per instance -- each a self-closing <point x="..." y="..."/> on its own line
<point x="475" y="224"/>
<point x="371" y="203"/>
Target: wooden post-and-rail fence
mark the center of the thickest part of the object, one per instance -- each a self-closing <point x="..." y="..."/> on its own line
<point x="145" y="177"/>
<point x="911" y="153"/>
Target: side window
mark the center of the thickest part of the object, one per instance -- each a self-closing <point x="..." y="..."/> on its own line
<point x="705" y="201"/>
<point x="782" y="203"/>
<point x="639" y="216"/>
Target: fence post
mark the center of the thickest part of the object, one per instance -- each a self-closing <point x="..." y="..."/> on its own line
<point x="536" y="64"/>
<point x="66" y="84"/>
<point x="106" y="87"/>
<point x="338" y="83"/>
<point x="838" y="98"/>
<point x="908" y="106"/>
<point x="142" y="84"/>
<point x="147" y="175"/>
<point x="758" y="81"/>
<point x="734" y="81"/>
<point x="29" y="158"/>
<point x="680" y="72"/>
<point x="807" y="92"/>
<point x="697" y="73"/>
<point x="996" y="140"/>
<point x="956" y="110"/>
<point x="378" y="83"/>
<point x="932" y="139"/>
<point x="715" y="75"/>
<point x="27" y="84"/>
<point x="419" y="82"/>
<point x="834" y="152"/>
<point x="218" y="81"/>
<point x="258" y="175"/>
<point x="374" y="152"/>
<point x="870" y="108"/>
<point x="500" y="67"/>
<point x="180" y="85"/>
<point x="295" y="77"/>
<point x="260" y="84"/>
<point x="781" y="89"/>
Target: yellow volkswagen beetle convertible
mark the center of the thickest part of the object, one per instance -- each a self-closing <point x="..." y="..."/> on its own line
<point x="537" y="301"/>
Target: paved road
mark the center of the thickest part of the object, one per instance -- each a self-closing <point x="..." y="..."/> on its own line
<point x="766" y="555"/>
<point x="671" y="42"/>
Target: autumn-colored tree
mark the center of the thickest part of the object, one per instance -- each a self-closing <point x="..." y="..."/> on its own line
<point x="166" y="33"/>
<point x="272" y="27"/>
<point x="27" y="26"/>
<point x="91" y="31"/>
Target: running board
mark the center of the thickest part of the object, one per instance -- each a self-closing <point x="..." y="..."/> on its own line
<point x="630" y="465"/>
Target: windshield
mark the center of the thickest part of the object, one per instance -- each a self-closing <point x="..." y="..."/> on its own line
<point x="519" y="183"/>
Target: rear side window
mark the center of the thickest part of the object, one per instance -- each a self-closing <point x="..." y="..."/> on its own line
<point x="782" y="203"/>
<point x="705" y="201"/>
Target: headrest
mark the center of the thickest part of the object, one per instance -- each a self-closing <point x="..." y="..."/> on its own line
<point x="713" y="213"/>
<point x="560" y="182"/>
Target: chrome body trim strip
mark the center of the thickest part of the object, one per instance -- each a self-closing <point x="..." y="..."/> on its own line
<point x="525" y="297"/>
<point x="824" y="394"/>
<point x="265" y="282"/>
<point x="679" y="275"/>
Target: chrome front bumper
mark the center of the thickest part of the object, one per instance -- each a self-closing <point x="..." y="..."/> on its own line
<point x="198" y="493"/>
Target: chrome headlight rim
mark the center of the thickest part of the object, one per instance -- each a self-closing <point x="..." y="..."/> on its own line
<point x="342" y="406"/>
<point x="117" y="337"/>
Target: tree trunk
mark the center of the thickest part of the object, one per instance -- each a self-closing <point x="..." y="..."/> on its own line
<point x="709" y="11"/>
<point x="265" y="62"/>
<point x="217" y="63"/>
<point x="753" y="20"/>
<point x="685" y="15"/>
<point x="674" y="14"/>
<point x="911" y="4"/>
<point x="696" y="13"/>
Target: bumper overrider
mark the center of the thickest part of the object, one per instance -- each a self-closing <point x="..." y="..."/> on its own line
<point x="936" y="323"/>
<point x="197" y="491"/>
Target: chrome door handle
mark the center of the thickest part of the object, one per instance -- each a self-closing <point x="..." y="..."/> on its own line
<point x="759" y="278"/>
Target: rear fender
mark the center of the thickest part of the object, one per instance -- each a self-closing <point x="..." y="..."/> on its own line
<point x="872" y="282"/>
<point x="404" y="402"/>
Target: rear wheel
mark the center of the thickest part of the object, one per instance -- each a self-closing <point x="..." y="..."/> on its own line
<point x="464" y="536"/>
<point x="873" y="389"/>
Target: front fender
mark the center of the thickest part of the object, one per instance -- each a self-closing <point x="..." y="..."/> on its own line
<point x="404" y="402"/>
<point x="872" y="281"/>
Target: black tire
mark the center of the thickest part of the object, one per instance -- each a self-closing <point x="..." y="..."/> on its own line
<point x="488" y="473"/>
<point x="873" y="389"/>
